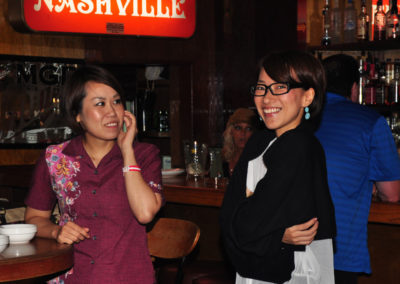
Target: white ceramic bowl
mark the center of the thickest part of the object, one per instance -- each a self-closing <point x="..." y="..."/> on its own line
<point x="4" y="240"/>
<point x="19" y="233"/>
<point x="16" y="250"/>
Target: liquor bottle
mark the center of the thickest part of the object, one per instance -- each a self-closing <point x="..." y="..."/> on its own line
<point x="363" y="23"/>
<point x="392" y="21"/>
<point x="336" y="24"/>
<point x="362" y="69"/>
<point x="370" y="87"/>
<point x="380" y="22"/>
<point x="380" y="87"/>
<point x="326" y="18"/>
<point x="163" y="125"/>
<point x="350" y="22"/>
<point x="393" y="97"/>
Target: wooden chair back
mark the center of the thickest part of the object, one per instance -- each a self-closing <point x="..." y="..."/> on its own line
<point x="172" y="238"/>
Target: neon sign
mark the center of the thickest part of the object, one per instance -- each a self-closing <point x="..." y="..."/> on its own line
<point x="160" y="18"/>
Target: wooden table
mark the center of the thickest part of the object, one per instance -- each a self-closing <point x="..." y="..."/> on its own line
<point x="40" y="257"/>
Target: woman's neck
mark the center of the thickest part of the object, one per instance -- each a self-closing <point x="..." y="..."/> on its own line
<point x="97" y="149"/>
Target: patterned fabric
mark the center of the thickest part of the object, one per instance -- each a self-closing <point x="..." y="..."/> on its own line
<point x="359" y="149"/>
<point x="95" y="198"/>
<point x="62" y="170"/>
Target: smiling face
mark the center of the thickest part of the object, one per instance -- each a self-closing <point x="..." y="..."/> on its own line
<point x="102" y="112"/>
<point x="284" y="112"/>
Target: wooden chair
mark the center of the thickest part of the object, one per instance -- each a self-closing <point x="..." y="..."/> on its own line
<point x="173" y="239"/>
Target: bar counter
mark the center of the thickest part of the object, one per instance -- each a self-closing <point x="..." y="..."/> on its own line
<point x="179" y="189"/>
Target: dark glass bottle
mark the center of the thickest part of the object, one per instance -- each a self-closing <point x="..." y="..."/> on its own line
<point x="363" y="23"/>
<point x="370" y="87"/>
<point x="380" y="22"/>
<point x="392" y="21"/>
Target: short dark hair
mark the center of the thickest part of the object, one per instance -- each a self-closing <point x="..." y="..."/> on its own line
<point x="309" y="71"/>
<point x="75" y="91"/>
<point x="341" y="73"/>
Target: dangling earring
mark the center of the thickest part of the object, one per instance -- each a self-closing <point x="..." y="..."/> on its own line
<point x="307" y="113"/>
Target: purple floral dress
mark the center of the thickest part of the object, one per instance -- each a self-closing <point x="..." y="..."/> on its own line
<point x="116" y="251"/>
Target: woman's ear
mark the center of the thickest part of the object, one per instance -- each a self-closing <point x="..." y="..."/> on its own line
<point x="78" y="118"/>
<point x="308" y="97"/>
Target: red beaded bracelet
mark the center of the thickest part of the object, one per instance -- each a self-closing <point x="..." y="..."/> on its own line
<point x="131" y="169"/>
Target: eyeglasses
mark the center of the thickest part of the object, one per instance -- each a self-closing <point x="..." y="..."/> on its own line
<point x="276" y="89"/>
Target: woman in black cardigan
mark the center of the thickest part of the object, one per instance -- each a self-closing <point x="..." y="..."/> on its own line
<point x="277" y="217"/>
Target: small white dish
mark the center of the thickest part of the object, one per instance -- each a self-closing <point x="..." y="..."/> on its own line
<point x="4" y="240"/>
<point x="172" y="172"/>
<point x="19" y="233"/>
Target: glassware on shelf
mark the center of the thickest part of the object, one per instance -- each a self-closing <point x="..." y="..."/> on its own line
<point x="393" y="96"/>
<point x="363" y="23"/>
<point x="349" y="22"/>
<point x="392" y="21"/>
<point x="326" y="20"/>
<point x="336" y="24"/>
<point x="380" y="22"/>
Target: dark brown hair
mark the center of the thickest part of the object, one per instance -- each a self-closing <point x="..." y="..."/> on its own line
<point x="280" y="66"/>
<point x="75" y="91"/>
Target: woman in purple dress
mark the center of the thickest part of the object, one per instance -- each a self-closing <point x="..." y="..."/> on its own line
<point x="107" y="185"/>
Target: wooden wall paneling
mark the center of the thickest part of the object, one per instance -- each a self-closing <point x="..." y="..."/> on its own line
<point x="198" y="51"/>
<point x="19" y="156"/>
<point x="239" y="66"/>
<point x="29" y="44"/>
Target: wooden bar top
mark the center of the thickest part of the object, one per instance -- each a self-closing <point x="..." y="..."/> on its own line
<point x="179" y="189"/>
<point x="40" y="257"/>
<point x="204" y="192"/>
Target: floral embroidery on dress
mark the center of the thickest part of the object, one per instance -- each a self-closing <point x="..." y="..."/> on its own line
<point x="62" y="170"/>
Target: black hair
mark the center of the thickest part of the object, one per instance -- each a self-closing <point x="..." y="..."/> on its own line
<point x="308" y="70"/>
<point x="341" y="73"/>
<point x="75" y="91"/>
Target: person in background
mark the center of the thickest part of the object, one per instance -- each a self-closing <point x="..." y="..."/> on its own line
<point x="280" y="181"/>
<point x="107" y="185"/>
<point x="360" y="151"/>
<point x="239" y="128"/>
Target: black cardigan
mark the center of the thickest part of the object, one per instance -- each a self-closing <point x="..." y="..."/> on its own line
<point x="294" y="190"/>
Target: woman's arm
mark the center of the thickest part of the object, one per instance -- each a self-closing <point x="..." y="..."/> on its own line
<point x="45" y="228"/>
<point x="68" y="234"/>
<point x="144" y="202"/>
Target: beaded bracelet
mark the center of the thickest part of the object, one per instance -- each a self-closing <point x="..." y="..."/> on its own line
<point x="131" y="169"/>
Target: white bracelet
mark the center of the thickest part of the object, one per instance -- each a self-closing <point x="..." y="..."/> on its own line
<point x="131" y="169"/>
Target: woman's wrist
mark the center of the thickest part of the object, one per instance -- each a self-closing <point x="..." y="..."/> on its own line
<point x="56" y="232"/>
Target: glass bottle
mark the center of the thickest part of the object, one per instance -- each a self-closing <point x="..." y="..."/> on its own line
<point x="394" y="85"/>
<point x="380" y="22"/>
<point x="380" y="87"/>
<point x="363" y="23"/>
<point x="370" y="87"/>
<point x="326" y="17"/>
<point x="163" y="125"/>
<point x="336" y="23"/>
<point x="392" y="21"/>
<point x="350" y="22"/>
<point x="362" y="80"/>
